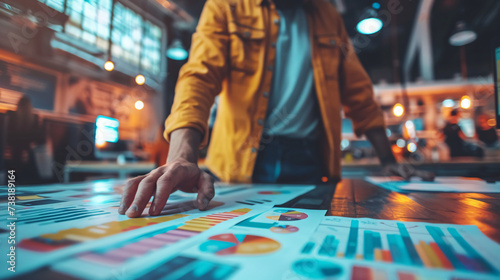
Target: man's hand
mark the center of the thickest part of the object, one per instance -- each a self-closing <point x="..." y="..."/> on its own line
<point x="160" y="183"/>
<point x="180" y="173"/>
<point x="407" y="171"/>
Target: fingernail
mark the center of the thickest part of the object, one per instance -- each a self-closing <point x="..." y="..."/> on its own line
<point x="132" y="209"/>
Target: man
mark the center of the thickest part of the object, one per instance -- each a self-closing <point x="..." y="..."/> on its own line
<point x="456" y="140"/>
<point x="282" y="71"/>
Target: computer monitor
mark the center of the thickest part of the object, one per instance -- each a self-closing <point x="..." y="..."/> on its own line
<point x="496" y="54"/>
<point x="106" y="130"/>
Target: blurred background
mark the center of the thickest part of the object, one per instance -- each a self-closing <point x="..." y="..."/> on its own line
<point x="85" y="85"/>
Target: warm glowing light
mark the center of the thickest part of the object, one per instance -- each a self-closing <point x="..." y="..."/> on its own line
<point x="492" y="122"/>
<point x="140" y="80"/>
<point x="109" y="65"/>
<point x="324" y="179"/>
<point x="412" y="147"/>
<point x="466" y="102"/>
<point x="139" y="105"/>
<point x="398" y="110"/>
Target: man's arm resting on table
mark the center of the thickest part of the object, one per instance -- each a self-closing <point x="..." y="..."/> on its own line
<point x="382" y="146"/>
<point x="180" y="172"/>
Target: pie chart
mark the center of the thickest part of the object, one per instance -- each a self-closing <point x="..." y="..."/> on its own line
<point x="239" y="244"/>
<point x="317" y="269"/>
<point x="287" y="215"/>
<point x="284" y="229"/>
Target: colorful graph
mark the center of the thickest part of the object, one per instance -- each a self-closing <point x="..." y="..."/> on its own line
<point x="273" y="192"/>
<point x="121" y="252"/>
<point x="434" y="248"/>
<point x="181" y="267"/>
<point x="58" y="215"/>
<point x="239" y="244"/>
<point x="317" y="269"/>
<point x="287" y="215"/>
<point x="284" y="229"/>
<point x="55" y="241"/>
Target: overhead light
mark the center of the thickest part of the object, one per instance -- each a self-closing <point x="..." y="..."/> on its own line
<point x="448" y="103"/>
<point x="462" y="35"/>
<point x="139" y="105"/>
<point x="109" y="65"/>
<point x="400" y="143"/>
<point x="370" y="26"/>
<point x="376" y="5"/>
<point x="466" y="102"/>
<point x="140" y="80"/>
<point x="398" y="110"/>
<point x="177" y="51"/>
<point x="411" y="147"/>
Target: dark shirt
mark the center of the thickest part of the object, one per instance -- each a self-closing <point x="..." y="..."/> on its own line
<point x="452" y="138"/>
<point x="488" y="137"/>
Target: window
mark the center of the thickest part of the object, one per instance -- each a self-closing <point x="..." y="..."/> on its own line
<point x="89" y="20"/>
<point x="57" y="5"/>
<point x="126" y="35"/>
<point x="132" y="37"/>
<point x="151" y="48"/>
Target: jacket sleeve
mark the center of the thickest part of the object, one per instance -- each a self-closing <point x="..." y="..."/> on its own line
<point x="356" y="88"/>
<point x="200" y="79"/>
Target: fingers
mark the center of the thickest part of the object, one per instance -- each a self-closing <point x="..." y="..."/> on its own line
<point x="144" y="192"/>
<point x="206" y="190"/>
<point x="165" y="185"/>
<point x="129" y="193"/>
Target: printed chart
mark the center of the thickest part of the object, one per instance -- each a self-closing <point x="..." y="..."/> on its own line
<point x="239" y="244"/>
<point x="379" y="246"/>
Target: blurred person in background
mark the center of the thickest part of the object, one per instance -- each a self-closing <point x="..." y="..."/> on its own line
<point x="485" y="132"/>
<point x="283" y="71"/>
<point x="455" y="138"/>
<point x="24" y="133"/>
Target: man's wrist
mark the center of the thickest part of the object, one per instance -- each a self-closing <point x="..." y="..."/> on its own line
<point x="184" y="145"/>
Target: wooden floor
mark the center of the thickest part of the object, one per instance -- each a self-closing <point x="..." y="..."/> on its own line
<point x="357" y="199"/>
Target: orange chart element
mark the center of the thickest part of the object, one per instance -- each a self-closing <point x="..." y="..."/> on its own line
<point x="239" y="244"/>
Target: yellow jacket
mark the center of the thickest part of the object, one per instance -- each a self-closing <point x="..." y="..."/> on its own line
<point x="232" y="54"/>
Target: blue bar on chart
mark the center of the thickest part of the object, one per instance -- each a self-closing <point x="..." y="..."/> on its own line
<point x="410" y="248"/>
<point x="352" y="242"/>
<point x="329" y="246"/>
<point x="398" y="249"/>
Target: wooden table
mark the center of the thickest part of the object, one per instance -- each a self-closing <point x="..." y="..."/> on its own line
<point x="357" y="198"/>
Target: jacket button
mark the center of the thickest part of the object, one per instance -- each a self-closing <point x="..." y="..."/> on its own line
<point x="254" y="150"/>
<point x="260" y="121"/>
<point x="277" y="21"/>
<point x="273" y="45"/>
<point x="247" y="34"/>
<point x="266" y="94"/>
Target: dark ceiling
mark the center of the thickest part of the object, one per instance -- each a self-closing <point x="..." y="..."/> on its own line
<point x="390" y="44"/>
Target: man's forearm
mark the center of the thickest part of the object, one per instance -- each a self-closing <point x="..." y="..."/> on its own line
<point x="184" y="144"/>
<point x="380" y="143"/>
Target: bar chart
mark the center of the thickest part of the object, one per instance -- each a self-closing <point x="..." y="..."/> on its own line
<point x="422" y="246"/>
<point x="119" y="253"/>
<point x="55" y="241"/>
